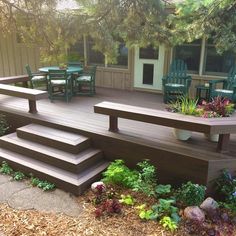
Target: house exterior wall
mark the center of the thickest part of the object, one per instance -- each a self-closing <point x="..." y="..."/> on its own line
<point x="14" y="56"/>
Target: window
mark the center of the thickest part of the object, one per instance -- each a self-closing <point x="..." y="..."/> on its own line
<point x="215" y="63"/>
<point x="94" y="57"/>
<point x="148" y="53"/>
<point x="122" y="59"/>
<point x="190" y="53"/>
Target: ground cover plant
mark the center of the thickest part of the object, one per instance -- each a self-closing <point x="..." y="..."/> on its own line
<point x="18" y="176"/>
<point x="164" y="204"/>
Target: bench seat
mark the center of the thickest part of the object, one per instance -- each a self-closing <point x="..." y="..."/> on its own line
<point x="31" y="94"/>
<point x="222" y="126"/>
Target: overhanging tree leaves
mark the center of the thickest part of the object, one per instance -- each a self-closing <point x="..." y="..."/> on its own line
<point x="214" y="19"/>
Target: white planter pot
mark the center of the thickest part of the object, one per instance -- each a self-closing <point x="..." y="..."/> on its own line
<point x="182" y="134"/>
<point x="212" y="137"/>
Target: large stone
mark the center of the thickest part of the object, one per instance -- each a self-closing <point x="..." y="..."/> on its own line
<point x="96" y="184"/>
<point x="194" y="213"/>
<point x="209" y="205"/>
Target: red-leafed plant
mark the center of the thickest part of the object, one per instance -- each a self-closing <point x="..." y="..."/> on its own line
<point x="217" y="107"/>
<point x="105" y="201"/>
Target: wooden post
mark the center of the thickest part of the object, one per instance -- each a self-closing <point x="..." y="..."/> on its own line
<point x="113" y="124"/>
<point x="32" y="107"/>
<point x="223" y="142"/>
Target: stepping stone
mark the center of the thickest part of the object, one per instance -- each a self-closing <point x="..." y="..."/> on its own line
<point x="4" y="179"/>
<point x="9" y="188"/>
<point x="56" y="201"/>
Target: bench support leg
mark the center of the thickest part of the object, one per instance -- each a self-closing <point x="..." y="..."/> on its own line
<point x="223" y="142"/>
<point x="113" y="122"/>
<point x="32" y="107"/>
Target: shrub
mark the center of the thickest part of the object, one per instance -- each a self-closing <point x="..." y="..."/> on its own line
<point x="118" y="173"/>
<point x="146" y="181"/>
<point x="190" y="194"/>
<point x="226" y="187"/>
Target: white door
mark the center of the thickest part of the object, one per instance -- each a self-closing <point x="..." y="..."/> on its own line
<point x="148" y="68"/>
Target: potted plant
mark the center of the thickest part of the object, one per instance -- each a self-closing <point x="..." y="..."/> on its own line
<point x="217" y="107"/>
<point x="186" y="106"/>
<point x="62" y="66"/>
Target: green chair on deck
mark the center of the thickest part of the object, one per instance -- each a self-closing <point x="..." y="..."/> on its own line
<point x="85" y="83"/>
<point x="75" y="63"/>
<point x="176" y="82"/>
<point x="59" y="85"/>
<point x="227" y="88"/>
<point x="36" y="79"/>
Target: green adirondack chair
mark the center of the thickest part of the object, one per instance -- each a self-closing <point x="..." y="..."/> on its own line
<point x="59" y="85"/>
<point x="228" y="86"/>
<point x="176" y="82"/>
<point x="85" y="83"/>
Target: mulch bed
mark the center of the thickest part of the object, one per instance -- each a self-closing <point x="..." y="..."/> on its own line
<point x="31" y="222"/>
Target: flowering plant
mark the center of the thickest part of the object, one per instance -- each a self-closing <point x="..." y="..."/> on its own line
<point x="217" y="107"/>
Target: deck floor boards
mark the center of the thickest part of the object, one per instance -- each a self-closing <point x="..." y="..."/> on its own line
<point x="79" y="114"/>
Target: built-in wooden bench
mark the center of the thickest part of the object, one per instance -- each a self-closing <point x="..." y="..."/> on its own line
<point x="31" y="94"/>
<point x="222" y="126"/>
<point x="15" y="79"/>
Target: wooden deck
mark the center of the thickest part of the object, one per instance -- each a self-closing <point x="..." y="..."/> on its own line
<point x="177" y="161"/>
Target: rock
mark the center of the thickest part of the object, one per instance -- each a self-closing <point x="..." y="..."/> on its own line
<point x="209" y="205"/>
<point x="96" y="186"/>
<point x="194" y="213"/>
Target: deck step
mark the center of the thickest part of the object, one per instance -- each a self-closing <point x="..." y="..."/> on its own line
<point x="75" y="183"/>
<point x="64" y="160"/>
<point x="66" y="141"/>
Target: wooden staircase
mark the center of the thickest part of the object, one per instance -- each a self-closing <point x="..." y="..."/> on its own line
<point x="63" y="158"/>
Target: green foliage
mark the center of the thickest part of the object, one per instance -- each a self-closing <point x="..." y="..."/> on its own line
<point x="143" y="213"/>
<point x="165" y="208"/>
<point x="6" y="169"/>
<point x="146" y="178"/>
<point x="143" y="179"/>
<point x="3" y="125"/>
<point x="163" y="189"/>
<point x="226" y="187"/>
<point x="184" y="105"/>
<point x="43" y="184"/>
<point x="127" y="199"/>
<point x="191" y="194"/>
<point x="230" y="206"/>
<point x="118" y="173"/>
<point x="215" y="19"/>
<point x="168" y="223"/>
<point x="18" y="176"/>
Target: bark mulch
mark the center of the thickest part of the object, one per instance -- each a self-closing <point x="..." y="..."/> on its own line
<point x="34" y="223"/>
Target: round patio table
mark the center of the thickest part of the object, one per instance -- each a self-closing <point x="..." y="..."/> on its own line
<point x="69" y="70"/>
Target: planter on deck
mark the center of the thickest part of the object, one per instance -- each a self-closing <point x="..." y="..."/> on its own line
<point x="182" y="134"/>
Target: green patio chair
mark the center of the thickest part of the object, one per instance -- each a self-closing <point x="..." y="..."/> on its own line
<point x="85" y="83"/>
<point x="36" y="79"/>
<point x="59" y="85"/>
<point x="227" y="88"/>
<point x="75" y="63"/>
<point x="176" y="82"/>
